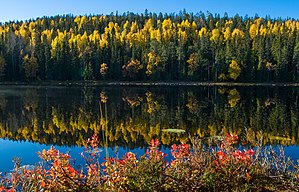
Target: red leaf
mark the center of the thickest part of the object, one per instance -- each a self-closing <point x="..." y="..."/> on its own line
<point x="43" y="184"/>
<point x="56" y="163"/>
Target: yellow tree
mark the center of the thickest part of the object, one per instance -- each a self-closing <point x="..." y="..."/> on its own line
<point x="234" y="70"/>
<point x="193" y="63"/>
<point x="237" y="33"/>
<point x="202" y="32"/>
<point x="167" y="29"/>
<point x="103" y="69"/>
<point x="132" y="68"/>
<point x="153" y="63"/>
<point x="24" y="33"/>
<point x="104" y="41"/>
<point x="253" y="31"/>
<point x="215" y="35"/>
<point x="82" y="22"/>
<point x="227" y="34"/>
<point x="47" y="34"/>
<point x="83" y="42"/>
<point x="56" y="43"/>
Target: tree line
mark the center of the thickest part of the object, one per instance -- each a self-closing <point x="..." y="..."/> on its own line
<point x="150" y="47"/>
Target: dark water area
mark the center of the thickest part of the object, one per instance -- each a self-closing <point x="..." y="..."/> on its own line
<point x="128" y="117"/>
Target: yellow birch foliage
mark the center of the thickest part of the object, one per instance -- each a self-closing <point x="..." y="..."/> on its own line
<point x="234" y="70"/>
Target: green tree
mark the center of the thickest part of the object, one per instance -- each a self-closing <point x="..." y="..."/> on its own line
<point x="88" y="72"/>
<point x="2" y="66"/>
<point x="30" y="67"/>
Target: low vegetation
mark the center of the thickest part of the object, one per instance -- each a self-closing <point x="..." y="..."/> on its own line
<point x="222" y="163"/>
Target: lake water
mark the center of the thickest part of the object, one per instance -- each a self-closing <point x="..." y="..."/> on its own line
<point x="33" y="118"/>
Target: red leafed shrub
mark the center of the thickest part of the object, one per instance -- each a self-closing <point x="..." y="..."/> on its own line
<point x="219" y="164"/>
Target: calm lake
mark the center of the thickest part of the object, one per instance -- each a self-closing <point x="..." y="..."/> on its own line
<point x="33" y="118"/>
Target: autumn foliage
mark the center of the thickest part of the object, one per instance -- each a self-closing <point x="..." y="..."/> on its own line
<point x="222" y="163"/>
<point x="175" y="47"/>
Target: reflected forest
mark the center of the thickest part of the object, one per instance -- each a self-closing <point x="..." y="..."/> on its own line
<point x="132" y="117"/>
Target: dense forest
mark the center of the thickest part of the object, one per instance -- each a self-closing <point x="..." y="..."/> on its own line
<point x="150" y="47"/>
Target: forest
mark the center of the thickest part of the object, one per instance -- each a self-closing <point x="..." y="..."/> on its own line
<point x="150" y="47"/>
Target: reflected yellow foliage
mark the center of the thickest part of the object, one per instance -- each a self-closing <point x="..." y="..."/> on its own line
<point x="144" y="118"/>
<point x="233" y="98"/>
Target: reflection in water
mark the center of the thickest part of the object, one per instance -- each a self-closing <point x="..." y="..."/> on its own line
<point x="131" y="117"/>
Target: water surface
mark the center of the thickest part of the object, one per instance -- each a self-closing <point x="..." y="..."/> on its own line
<point x="127" y="118"/>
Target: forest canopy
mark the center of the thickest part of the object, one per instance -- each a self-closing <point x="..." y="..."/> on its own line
<point x="150" y="47"/>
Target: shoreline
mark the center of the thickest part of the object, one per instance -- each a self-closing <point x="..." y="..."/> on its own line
<point x="144" y="83"/>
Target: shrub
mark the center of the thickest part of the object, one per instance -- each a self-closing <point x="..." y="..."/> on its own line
<point x="217" y="164"/>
